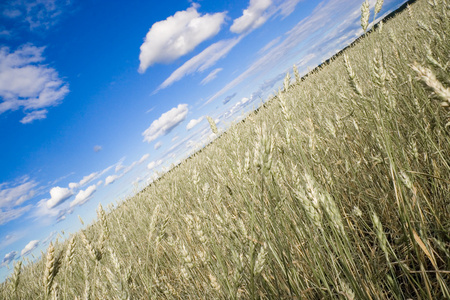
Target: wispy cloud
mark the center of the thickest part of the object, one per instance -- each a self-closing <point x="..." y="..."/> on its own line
<point x="178" y="35"/>
<point x="26" y="84"/>
<point x="37" y="13"/>
<point x="287" y="7"/>
<point x="13" y="195"/>
<point x="330" y="17"/>
<point x="201" y="62"/>
<point x="143" y="158"/>
<point x="10" y="214"/>
<point x="158" y="145"/>
<point x="211" y="76"/>
<point x="168" y="121"/>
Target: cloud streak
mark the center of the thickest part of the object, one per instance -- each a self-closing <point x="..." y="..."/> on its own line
<point x="201" y="62"/>
<point x="211" y="76"/>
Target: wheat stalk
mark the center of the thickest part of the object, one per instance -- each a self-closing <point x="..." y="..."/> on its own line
<point x="70" y="253"/>
<point x="49" y="272"/>
<point x="212" y="124"/>
<point x="365" y="15"/>
<point x="16" y="277"/>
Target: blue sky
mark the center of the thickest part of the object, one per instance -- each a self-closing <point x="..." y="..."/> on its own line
<point x="98" y="97"/>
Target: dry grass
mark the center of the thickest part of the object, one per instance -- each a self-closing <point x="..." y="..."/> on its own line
<point x="338" y="188"/>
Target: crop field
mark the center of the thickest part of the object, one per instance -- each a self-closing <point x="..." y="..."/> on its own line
<point x="336" y="188"/>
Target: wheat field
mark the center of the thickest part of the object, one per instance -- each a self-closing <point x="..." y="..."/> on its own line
<point x="336" y="188"/>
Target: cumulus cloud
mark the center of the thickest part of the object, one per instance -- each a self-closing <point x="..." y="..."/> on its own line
<point x="58" y="196"/>
<point x="26" y="84"/>
<point x="158" y="145"/>
<point x="110" y="179"/>
<point x="84" y="196"/>
<point x="211" y="76"/>
<point x="252" y="17"/>
<point x="178" y="35"/>
<point x="202" y="61"/>
<point x="192" y="123"/>
<point x="9" y="258"/>
<point x="29" y="247"/>
<point x="168" y="121"/>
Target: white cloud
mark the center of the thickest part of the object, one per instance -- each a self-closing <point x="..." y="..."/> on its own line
<point x="211" y="76"/>
<point x="178" y="35"/>
<point x="29" y="247"/>
<point x="252" y="17"/>
<point x="12" y="214"/>
<point x="192" y="123"/>
<point x="98" y="148"/>
<point x="42" y="210"/>
<point x="18" y="194"/>
<point x="58" y="196"/>
<point x="73" y="185"/>
<point x="9" y="257"/>
<point x="84" y="196"/>
<point x="28" y="85"/>
<point x="154" y="164"/>
<point x="158" y="145"/>
<point x="151" y="165"/>
<point x="202" y="61"/>
<point x="110" y="179"/>
<point x="119" y="167"/>
<point x="168" y="121"/>
<point x="34" y="115"/>
<point x="143" y="158"/>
